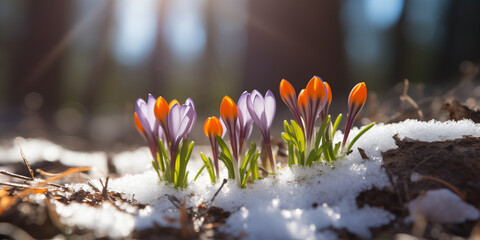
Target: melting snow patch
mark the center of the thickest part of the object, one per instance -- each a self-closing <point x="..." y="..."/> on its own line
<point x="453" y="208"/>
<point x="105" y="221"/>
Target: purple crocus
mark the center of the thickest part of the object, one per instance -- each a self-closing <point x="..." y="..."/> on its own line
<point x="180" y="124"/>
<point x="149" y="125"/>
<point x="262" y="110"/>
<point x="244" y="123"/>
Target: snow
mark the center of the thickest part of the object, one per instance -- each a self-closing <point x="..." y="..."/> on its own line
<point x="105" y="221"/>
<point x="297" y="203"/>
<point x="454" y="209"/>
<point x="41" y="149"/>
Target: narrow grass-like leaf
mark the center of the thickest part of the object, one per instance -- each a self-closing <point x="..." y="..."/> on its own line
<point x="299" y="136"/>
<point x="337" y="147"/>
<point x="291" y="155"/>
<point x="286" y="137"/>
<point x="223" y="146"/>
<point x="209" y="165"/>
<point x="200" y="171"/>
<point x="335" y="125"/>
<point x="321" y="131"/>
<point x="228" y="164"/>
<point x="254" y="167"/>
<point x="155" y="166"/>
<point x="359" y="135"/>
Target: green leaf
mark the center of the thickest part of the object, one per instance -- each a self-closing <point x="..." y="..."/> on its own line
<point x="228" y="164"/>
<point x="250" y="153"/>
<point x="286" y="137"/>
<point x="337" y="147"/>
<point x="209" y="165"/>
<point x="200" y="171"/>
<point x="155" y="166"/>
<point x="321" y="131"/>
<point x="335" y="125"/>
<point x="164" y="160"/>
<point x="223" y="146"/>
<point x="312" y="157"/>
<point x="359" y="135"/>
<point x="299" y="136"/>
<point x="291" y="155"/>
<point x="254" y="166"/>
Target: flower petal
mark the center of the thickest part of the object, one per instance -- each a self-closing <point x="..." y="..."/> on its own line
<point x="270" y="107"/>
<point x="174" y="121"/>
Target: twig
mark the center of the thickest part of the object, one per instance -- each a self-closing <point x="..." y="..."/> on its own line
<point x="25" y="160"/>
<point x="65" y="173"/>
<point x="410" y="100"/>
<point x="404" y="95"/>
<point x="17" y="185"/>
<point x="218" y="191"/>
<point x="90" y="183"/>
<point x="15" y="175"/>
<point x="173" y="199"/>
<point x="55" y="185"/>
<point x="105" y="188"/>
<point x="263" y="170"/>
<point x="447" y="184"/>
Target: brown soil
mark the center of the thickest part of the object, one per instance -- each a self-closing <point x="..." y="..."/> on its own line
<point x="456" y="162"/>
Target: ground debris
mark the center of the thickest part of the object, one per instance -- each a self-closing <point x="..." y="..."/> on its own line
<point x="459" y="111"/>
<point x="455" y="162"/>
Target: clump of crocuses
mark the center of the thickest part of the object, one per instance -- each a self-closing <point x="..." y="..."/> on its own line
<point x="166" y="128"/>
<point x="305" y="145"/>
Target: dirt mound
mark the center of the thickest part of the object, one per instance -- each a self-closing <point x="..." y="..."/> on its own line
<point x="456" y="162"/>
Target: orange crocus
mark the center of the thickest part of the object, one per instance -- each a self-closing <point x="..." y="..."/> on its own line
<point x="358" y="95"/>
<point x="315" y="89"/>
<point x="329" y="93"/>
<point x="324" y="112"/>
<point x="287" y="91"/>
<point x="289" y="97"/>
<point x="229" y="114"/>
<point x="139" y="126"/>
<point x="228" y="109"/>
<point x="356" y="100"/>
<point x="161" y="110"/>
<point x="212" y="127"/>
<point x="303" y="105"/>
<point x="170" y="105"/>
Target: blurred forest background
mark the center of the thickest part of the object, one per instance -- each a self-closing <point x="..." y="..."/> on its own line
<point x="71" y="70"/>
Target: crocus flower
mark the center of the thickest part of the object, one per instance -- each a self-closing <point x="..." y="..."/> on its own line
<point x="262" y="110"/>
<point x="229" y="115"/>
<point x="213" y="128"/>
<point x="180" y="124"/>
<point x="356" y="100"/>
<point x="161" y="110"/>
<point x="317" y="98"/>
<point x="303" y="109"/>
<point x="244" y="123"/>
<point x="289" y="97"/>
<point x="147" y="124"/>
<point x="324" y="112"/>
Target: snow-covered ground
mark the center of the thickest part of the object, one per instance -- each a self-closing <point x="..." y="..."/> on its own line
<point x="297" y="203"/>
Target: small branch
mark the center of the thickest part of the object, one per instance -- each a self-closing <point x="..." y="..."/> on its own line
<point x="25" y="160"/>
<point x="447" y="184"/>
<point x="218" y="191"/>
<point x="90" y="183"/>
<point x="17" y="185"/>
<point x="15" y="175"/>
<point x="410" y="100"/>
<point x="174" y="200"/>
